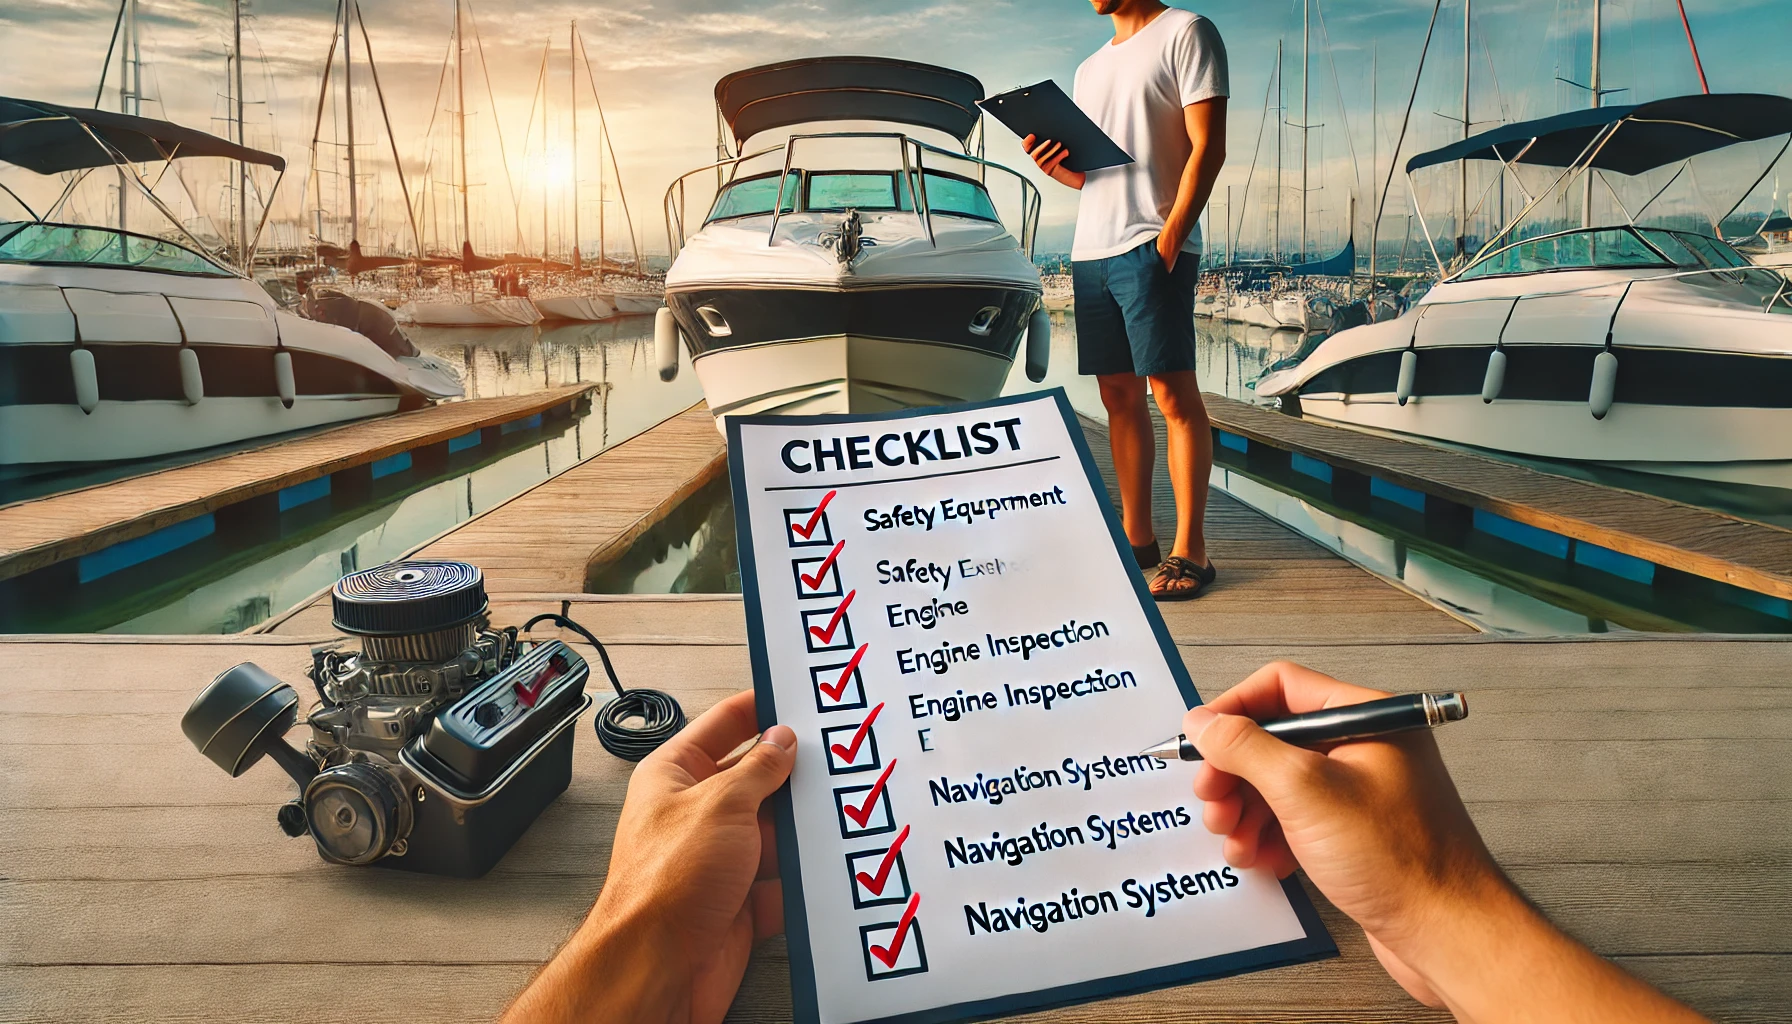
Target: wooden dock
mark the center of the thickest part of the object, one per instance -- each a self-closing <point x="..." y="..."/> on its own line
<point x="549" y="539"/>
<point x="1633" y="785"/>
<point x="1695" y="540"/>
<point x="43" y="531"/>
<point x="1635" y="788"/>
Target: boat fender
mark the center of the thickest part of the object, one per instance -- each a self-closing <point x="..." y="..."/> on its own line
<point x="87" y="379"/>
<point x="1495" y="379"/>
<point x="1039" y="344"/>
<point x="1409" y="371"/>
<point x="1605" y="384"/>
<point x="192" y="383"/>
<point x="665" y="342"/>
<point x="283" y="378"/>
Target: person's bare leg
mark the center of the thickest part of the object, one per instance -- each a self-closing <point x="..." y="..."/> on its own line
<point x="1190" y="443"/>
<point x="1135" y="451"/>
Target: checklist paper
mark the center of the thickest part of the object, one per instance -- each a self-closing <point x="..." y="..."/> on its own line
<point x="941" y="604"/>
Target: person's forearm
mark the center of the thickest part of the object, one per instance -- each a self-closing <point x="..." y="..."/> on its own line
<point x="1493" y="959"/>
<point x="1192" y="192"/>
<point x="608" y="970"/>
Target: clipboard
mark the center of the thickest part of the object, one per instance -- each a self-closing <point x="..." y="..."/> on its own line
<point x="891" y="917"/>
<point x="1043" y="110"/>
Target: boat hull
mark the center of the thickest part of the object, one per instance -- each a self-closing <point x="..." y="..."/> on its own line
<point x="845" y="373"/>
<point x="851" y="349"/>
<point x="587" y="308"/>
<point x="34" y="434"/>
<point x="482" y="313"/>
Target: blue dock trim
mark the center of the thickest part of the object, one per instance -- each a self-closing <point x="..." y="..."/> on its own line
<point x="1629" y="567"/>
<point x="391" y="464"/>
<point x="1523" y="534"/>
<point x="125" y="554"/>
<point x="1379" y="488"/>
<point x="526" y="423"/>
<point x="1236" y="442"/>
<point x="1308" y="465"/>
<point x="463" y="442"/>
<point x="305" y="493"/>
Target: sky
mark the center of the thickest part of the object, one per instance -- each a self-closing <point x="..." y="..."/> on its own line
<point x="654" y="66"/>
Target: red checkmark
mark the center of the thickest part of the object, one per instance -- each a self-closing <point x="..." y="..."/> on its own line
<point x="849" y="751"/>
<point x="862" y="813"/>
<point x="888" y="956"/>
<point x="826" y="636"/>
<point x="808" y="528"/>
<point x="874" y="884"/>
<point x="839" y="687"/>
<point x="814" y="582"/>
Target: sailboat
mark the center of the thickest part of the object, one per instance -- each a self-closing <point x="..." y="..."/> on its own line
<point x="464" y="300"/>
<point x="582" y="293"/>
<point x="849" y="271"/>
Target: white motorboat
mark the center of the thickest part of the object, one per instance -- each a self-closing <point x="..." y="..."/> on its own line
<point x="573" y="305"/>
<point x="857" y="271"/>
<point x="120" y="345"/>
<point x="1771" y="246"/>
<point x="1654" y="349"/>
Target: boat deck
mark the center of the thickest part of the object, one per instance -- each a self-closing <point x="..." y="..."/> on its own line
<point x="43" y="531"/>
<point x="1687" y="538"/>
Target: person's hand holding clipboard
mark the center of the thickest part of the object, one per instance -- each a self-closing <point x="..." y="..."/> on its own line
<point x="1055" y="132"/>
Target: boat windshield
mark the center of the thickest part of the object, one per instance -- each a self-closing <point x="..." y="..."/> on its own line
<point x="1568" y="250"/>
<point x="836" y="191"/>
<point x="84" y="245"/>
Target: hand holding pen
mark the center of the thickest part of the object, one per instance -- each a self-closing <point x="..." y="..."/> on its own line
<point x="1380" y="830"/>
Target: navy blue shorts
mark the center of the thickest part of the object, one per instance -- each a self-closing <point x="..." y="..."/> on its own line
<point x="1132" y="315"/>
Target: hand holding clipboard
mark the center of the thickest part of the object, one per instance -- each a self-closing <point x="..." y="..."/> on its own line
<point x="1057" y="134"/>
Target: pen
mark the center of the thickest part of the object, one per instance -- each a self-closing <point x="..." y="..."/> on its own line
<point x="1349" y="722"/>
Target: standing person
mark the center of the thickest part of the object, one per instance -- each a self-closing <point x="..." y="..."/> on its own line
<point x="1159" y="90"/>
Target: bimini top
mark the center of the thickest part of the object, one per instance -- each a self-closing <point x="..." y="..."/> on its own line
<point x="849" y="89"/>
<point x="49" y="138"/>
<point x="1641" y="137"/>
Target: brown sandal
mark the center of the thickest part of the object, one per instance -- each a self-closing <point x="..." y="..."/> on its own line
<point x="1176" y="568"/>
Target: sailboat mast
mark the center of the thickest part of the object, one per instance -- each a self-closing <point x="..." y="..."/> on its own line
<point x="1374" y="169"/>
<point x="1586" y="185"/>
<point x="460" y="119"/>
<point x="1275" y="249"/>
<point x="1306" y="75"/>
<point x="348" y="107"/>
<point x="1468" y="7"/>
<point x="242" y="168"/>
<point x="572" y="88"/>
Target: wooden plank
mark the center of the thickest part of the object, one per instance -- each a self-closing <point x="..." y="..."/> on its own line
<point x="1272" y="581"/>
<point x="550" y="537"/>
<point x="1685" y="537"/>
<point x="43" y="531"/>
<point x="1633" y="786"/>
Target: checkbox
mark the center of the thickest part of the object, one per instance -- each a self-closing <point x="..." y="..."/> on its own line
<point x="839" y="687"/>
<point x="865" y="810"/>
<point x="879" y="877"/>
<point x="809" y="527"/>
<point x="827" y="629"/>
<point x="893" y="949"/>
<point x="817" y="577"/>
<point x="852" y="748"/>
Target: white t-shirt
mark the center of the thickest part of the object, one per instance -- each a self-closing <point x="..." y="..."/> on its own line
<point x="1135" y="92"/>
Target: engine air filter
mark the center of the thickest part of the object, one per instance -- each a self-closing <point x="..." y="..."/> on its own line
<point x="408" y="598"/>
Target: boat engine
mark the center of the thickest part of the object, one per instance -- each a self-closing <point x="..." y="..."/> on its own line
<point x="435" y="742"/>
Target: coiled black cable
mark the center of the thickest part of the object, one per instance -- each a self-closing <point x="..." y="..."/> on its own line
<point x="660" y="715"/>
